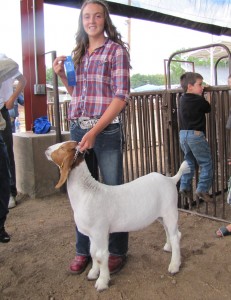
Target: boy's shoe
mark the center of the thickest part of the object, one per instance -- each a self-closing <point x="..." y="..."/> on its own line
<point x="4" y="236"/>
<point x="12" y="202"/>
<point x="205" y="196"/>
<point x="186" y="193"/>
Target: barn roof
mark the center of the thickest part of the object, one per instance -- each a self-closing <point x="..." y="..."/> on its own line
<point x="211" y="16"/>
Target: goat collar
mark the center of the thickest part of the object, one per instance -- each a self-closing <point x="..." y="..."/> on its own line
<point x="77" y="154"/>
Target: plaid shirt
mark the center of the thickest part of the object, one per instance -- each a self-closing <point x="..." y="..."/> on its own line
<point x="101" y="76"/>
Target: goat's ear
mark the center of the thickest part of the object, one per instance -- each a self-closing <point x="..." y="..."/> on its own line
<point x="64" y="170"/>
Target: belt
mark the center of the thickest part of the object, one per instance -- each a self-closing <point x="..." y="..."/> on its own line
<point x="195" y="132"/>
<point x="88" y="123"/>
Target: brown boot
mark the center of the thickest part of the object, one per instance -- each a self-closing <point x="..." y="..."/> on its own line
<point x="116" y="263"/>
<point x="79" y="264"/>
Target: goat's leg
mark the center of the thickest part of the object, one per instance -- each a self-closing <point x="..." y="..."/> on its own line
<point x="94" y="271"/>
<point x="175" y="263"/>
<point x="173" y="238"/>
<point x="104" y="274"/>
<point x="100" y="254"/>
<point x="167" y="246"/>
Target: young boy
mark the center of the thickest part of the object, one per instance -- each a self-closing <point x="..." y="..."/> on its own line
<point x="192" y="110"/>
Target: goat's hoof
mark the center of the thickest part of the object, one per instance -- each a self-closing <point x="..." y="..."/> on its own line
<point x="167" y="247"/>
<point x="174" y="268"/>
<point x="92" y="275"/>
<point x="101" y="285"/>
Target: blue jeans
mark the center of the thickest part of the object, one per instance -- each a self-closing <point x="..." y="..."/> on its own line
<point x="107" y="154"/>
<point x="196" y="149"/>
<point x="4" y="182"/>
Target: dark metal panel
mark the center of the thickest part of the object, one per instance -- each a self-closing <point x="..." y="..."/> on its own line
<point x="130" y="11"/>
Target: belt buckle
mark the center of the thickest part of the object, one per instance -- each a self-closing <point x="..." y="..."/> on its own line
<point x="84" y="122"/>
<point x="116" y="120"/>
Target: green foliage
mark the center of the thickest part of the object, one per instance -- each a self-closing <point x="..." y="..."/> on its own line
<point x="141" y="79"/>
<point x="207" y="61"/>
<point x="176" y="70"/>
<point x="49" y="77"/>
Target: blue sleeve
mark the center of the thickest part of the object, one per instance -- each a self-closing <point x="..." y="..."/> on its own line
<point x="21" y="99"/>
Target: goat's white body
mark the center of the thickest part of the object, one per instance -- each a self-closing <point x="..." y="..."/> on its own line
<point x="100" y="209"/>
<point x="128" y="207"/>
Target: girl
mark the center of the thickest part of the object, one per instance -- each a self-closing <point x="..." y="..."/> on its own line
<point x="101" y="92"/>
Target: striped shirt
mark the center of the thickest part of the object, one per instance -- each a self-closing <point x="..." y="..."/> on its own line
<point x="101" y="76"/>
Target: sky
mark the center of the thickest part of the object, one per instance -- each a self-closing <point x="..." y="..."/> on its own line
<point x="151" y="42"/>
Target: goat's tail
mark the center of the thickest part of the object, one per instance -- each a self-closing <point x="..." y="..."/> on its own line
<point x="184" y="169"/>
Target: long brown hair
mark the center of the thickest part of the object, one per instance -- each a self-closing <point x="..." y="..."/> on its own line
<point x="81" y="38"/>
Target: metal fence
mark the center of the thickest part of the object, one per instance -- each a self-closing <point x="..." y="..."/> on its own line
<point x="151" y="129"/>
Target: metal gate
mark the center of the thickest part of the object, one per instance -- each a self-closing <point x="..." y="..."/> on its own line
<point x="151" y="129"/>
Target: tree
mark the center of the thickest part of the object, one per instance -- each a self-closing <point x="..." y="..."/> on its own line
<point x="49" y="77"/>
<point x="177" y="69"/>
<point x="141" y="79"/>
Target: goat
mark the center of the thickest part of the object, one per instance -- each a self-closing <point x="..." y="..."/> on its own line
<point x="101" y="209"/>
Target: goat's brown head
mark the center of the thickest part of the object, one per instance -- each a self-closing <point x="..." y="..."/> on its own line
<point x="65" y="155"/>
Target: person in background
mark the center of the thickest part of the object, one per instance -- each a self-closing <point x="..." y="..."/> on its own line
<point x="101" y="92"/>
<point x="192" y="109"/>
<point x="4" y="190"/>
<point x="7" y="99"/>
<point x="226" y="230"/>
<point x="14" y="111"/>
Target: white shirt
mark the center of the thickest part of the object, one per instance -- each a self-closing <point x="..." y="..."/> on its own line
<point x="6" y="89"/>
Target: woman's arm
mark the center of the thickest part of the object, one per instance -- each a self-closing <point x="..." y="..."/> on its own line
<point x="113" y="110"/>
<point x="19" y="88"/>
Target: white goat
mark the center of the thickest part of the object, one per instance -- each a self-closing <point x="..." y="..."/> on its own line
<point x="101" y="209"/>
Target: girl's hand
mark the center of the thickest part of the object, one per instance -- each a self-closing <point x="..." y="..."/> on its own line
<point x="88" y="141"/>
<point x="58" y="66"/>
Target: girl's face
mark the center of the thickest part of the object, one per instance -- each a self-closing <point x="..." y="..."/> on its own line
<point x="197" y="88"/>
<point x="93" y="20"/>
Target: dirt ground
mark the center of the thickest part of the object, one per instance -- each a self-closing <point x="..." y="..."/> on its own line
<point x="34" y="265"/>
